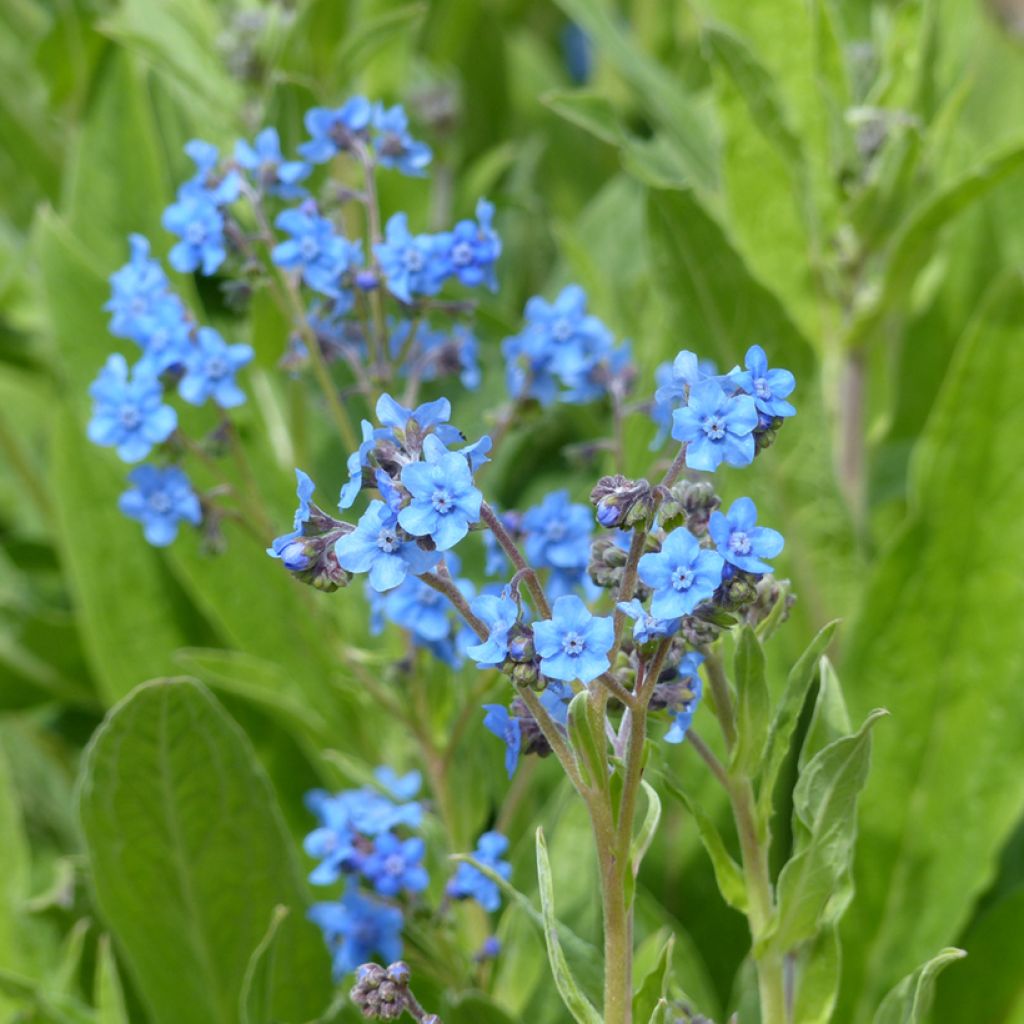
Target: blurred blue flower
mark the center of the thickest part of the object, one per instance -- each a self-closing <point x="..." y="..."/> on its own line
<point x="210" y="368"/>
<point x="268" y="167"/>
<point x="499" y="613"/>
<point x="508" y="729"/>
<point x="470" y="250"/>
<point x="394" y="146"/>
<point x="358" y="928"/>
<point x="393" y="865"/>
<point x="683" y="717"/>
<point x="411" y="264"/>
<point x="287" y="547"/>
<point x="335" y="130"/>
<point x="557" y="533"/>
<point x="322" y="255"/>
<point x="136" y="290"/>
<point x="469" y="883"/>
<point x="160" y="499"/>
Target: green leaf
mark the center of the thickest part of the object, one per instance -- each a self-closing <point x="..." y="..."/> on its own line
<point x="591" y="111"/>
<point x="830" y="719"/>
<point x="256" y="1000"/>
<point x="14" y="872"/>
<point x="932" y="642"/>
<point x="728" y="873"/>
<point x="817" y="987"/>
<point x="575" y="1001"/>
<point x="813" y="887"/>
<point x="475" y="1008"/>
<point x="787" y="714"/>
<point x="109" y="996"/>
<point x="910" y="1000"/>
<point x="190" y="856"/>
<point x="584" y="958"/>
<point x="655" y="985"/>
<point x="369" y="35"/>
<point x="645" y="836"/>
<point x="753" y="704"/>
<point x="586" y="734"/>
<point x="666" y="95"/>
<point x="915" y="238"/>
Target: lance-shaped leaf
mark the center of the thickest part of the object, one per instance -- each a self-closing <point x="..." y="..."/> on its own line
<point x="645" y="836"/>
<point x="824" y="826"/>
<point x="655" y="985"/>
<point x="753" y="706"/>
<point x="586" y="734"/>
<point x="780" y="735"/>
<point x="910" y="1000"/>
<point x="830" y="719"/>
<point x="575" y="1001"/>
<point x="189" y="858"/>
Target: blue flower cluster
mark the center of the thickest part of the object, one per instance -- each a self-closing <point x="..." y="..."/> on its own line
<point x="469" y="883"/>
<point x="564" y="353"/>
<point x="368" y="839"/>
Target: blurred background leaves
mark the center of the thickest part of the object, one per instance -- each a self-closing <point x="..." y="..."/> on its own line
<point x="838" y="182"/>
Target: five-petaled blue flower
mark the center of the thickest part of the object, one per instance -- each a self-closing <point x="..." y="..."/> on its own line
<point x="128" y="411"/>
<point x="393" y="865"/>
<point x="394" y="146"/>
<point x="289" y="547"/>
<point x="160" y="499"/>
<point x="136" y="290"/>
<point x="444" y="500"/>
<point x="269" y="169"/>
<point x="557" y="533"/>
<point x="411" y="264"/>
<point x="681" y="575"/>
<point x="768" y="388"/>
<point x="683" y="717"/>
<point x="716" y="427"/>
<point x="472" y="248"/>
<point x="646" y="626"/>
<point x="210" y="368"/>
<point x="740" y="541"/>
<point x="165" y="335"/>
<point x="508" y="729"/>
<point x="318" y="251"/>
<point x="499" y="613"/>
<point x="335" y="130"/>
<point x="379" y="547"/>
<point x="469" y="883"/>
<point x="358" y="928"/>
<point x="573" y="644"/>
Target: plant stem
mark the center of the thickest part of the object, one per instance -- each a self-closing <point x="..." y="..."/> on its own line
<point x="508" y="545"/>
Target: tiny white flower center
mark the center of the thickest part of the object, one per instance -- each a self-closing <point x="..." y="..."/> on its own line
<point x="561" y="329"/>
<point x="761" y="388"/>
<point x="572" y="644"/>
<point x="714" y="427"/>
<point x="682" y="578"/>
<point x="387" y="540"/>
<point x="308" y="248"/>
<point x="129" y="417"/>
<point x="195" y="233"/>
<point x="442" y="501"/>
<point x="739" y="542"/>
<point x="413" y="260"/>
<point x="462" y="254"/>
<point x="160" y="502"/>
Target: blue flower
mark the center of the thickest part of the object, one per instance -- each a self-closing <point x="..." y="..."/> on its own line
<point x="430" y="417"/>
<point x="335" y="130"/>
<point x="288" y="546"/>
<point x="557" y="533"/>
<point x="394" y="865"/>
<point x="573" y="644"/>
<point x="136" y="290"/>
<point x="561" y="346"/>
<point x="681" y="575"/>
<point x="716" y="427"/>
<point x="469" y="883"/>
<point x="508" y="729"/>
<point x="198" y="222"/>
<point x="210" y="368"/>
<point x="436" y="352"/>
<point x="395" y="147"/>
<point x="128" y="411"/>
<point x="357" y="928"/>
<point x="165" y="335"/>
<point x="646" y="627"/>
<point x="683" y="718"/>
<point x="160" y="499"/>
<point x="270" y="171"/>
<point x="427" y="614"/>
<point x="500" y="615"/>
<point x="577" y="52"/>
<point x="318" y="251"/>
<point x="401" y="787"/>
<point x="444" y="500"/>
<point x="411" y="264"/>
<point x="205" y="183"/>
<point x="378" y="547"/>
<point x="674" y="381"/>
<point x="555" y="699"/>
<point x="472" y="248"/>
<point x="740" y="541"/>
<point x="769" y="388"/>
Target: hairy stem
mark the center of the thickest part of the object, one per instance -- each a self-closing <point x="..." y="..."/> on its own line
<point x="508" y="545"/>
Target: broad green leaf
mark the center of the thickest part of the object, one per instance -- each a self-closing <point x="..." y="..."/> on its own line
<point x="910" y="1001"/>
<point x="575" y="1001"/>
<point x="590" y="111"/>
<point x="368" y="35"/>
<point x="825" y="827"/>
<point x="817" y="985"/>
<point x="830" y="719"/>
<point x="728" y="873"/>
<point x="928" y="643"/>
<point x="47" y="1006"/>
<point x="586" y="735"/>
<point x="753" y="704"/>
<point x="109" y="996"/>
<point x="787" y="714"/>
<point x="14" y="872"/>
<point x="256" y="999"/>
<point x="654" y="986"/>
<point x="666" y="95"/>
<point x="189" y="858"/>
<point x="475" y="1008"/>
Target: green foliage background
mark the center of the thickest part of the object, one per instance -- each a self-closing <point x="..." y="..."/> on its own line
<point x="839" y="182"/>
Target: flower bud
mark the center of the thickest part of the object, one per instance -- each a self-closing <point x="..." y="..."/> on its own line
<point x="620" y="500"/>
<point x="520" y="647"/>
<point x="525" y="673"/>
